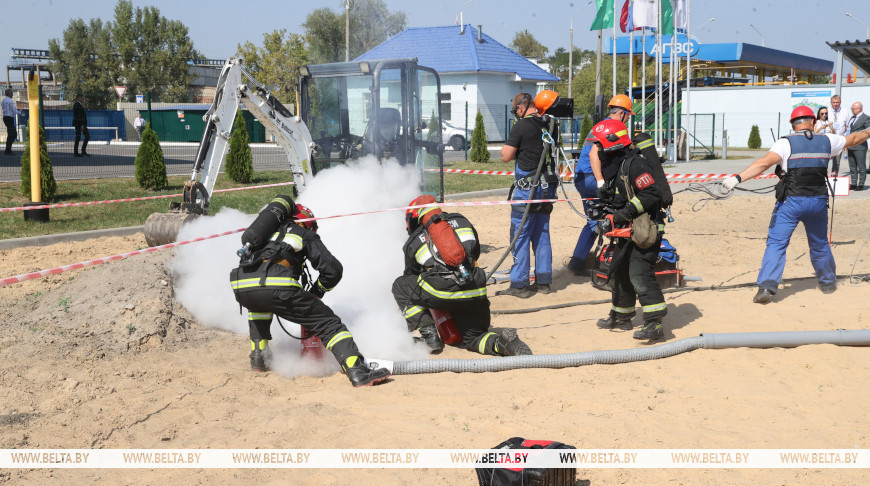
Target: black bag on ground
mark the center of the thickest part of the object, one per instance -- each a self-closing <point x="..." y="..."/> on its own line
<point x="521" y="476"/>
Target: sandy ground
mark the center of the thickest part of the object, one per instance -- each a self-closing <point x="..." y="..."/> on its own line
<point x="106" y="358"/>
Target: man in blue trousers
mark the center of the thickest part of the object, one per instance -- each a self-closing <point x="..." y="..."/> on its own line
<point x="584" y="181"/>
<point x="531" y="141"/>
<point x="802" y="196"/>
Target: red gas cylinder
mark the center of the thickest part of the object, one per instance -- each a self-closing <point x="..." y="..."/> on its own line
<point x="311" y="345"/>
<point x="446" y="326"/>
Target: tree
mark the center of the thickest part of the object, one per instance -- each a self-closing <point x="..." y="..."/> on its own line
<point x="276" y="64"/>
<point x="150" y="167"/>
<point x="754" y="138"/>
<point x="239" y="160"/>
<point x="559" y="62"/>
<point x="584" y="80"/>
<point x="434" y="128"/>
<point x="371" y="23"/>
<point x="49" y="185"/>
<point x="85" y="63"/>
<point x="586" y="126"/>
<point x="526" y="45"/>
<point x="479" y="151"/>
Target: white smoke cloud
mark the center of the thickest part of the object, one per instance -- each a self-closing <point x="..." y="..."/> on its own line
<point x="368" y="246"/>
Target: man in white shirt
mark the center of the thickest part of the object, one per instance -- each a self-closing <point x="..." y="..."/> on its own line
<point x="9" y="112"/>
<point x="139" y="125"/>
<point x="802" y="196"/>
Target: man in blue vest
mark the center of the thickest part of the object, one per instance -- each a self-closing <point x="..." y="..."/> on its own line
<point x="802" y="196"/>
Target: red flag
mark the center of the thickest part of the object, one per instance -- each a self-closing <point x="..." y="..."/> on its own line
<point x="623" y="16"/>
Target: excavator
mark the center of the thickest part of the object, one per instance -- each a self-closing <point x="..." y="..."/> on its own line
<point x="386" y="109"/>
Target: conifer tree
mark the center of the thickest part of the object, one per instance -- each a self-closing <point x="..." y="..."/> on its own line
<point x="585" y="127"/>
<point x="479" y="152"/>
<point x="150" y="166"/>
<point x="49" y="185"/>
<point x="240" y="166"/>
<point x="754" y="138"/>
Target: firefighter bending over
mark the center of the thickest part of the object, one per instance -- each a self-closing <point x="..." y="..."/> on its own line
<point x="633" y="194"/>
<point x="441" y="273"/>
<point x="270" y="281"/>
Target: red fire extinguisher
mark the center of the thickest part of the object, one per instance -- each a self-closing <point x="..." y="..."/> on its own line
<point x="311" y="345"/>
<point x="446" y="326"/>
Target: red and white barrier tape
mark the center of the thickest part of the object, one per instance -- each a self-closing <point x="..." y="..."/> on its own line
<point x="91" y="203"/>
<point x="669" y="176"/>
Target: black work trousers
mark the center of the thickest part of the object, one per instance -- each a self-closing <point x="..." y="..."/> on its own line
<point x="81" y="130"/>
<point x="471" y="315"/>
<point x="303" y="308"/>
<point x="10" y="132"/>
<point x="633" y="278"/>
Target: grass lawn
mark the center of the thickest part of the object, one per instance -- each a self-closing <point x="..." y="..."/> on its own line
<point x="134" y="213"/>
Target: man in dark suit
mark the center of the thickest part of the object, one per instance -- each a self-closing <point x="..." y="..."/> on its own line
<point x="80" y="123"/>
<point x="858" y="153"/>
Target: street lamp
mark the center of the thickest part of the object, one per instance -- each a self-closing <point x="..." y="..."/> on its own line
<point x="347" y="31"/>
<point x="859" y="20"/>
<point x="712" y="19"/>
<point x="759" y="33"/>
<point x="571" y="50"/>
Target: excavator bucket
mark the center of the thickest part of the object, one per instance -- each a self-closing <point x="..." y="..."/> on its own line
<point x="163" y="228"/>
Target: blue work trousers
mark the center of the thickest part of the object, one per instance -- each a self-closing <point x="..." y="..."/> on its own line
<point x="535" y="236"/>
<point x="586" y="185"/>
<point x="813" y="213"/>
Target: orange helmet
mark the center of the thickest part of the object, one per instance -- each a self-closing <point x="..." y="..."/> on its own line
<point x="802" y="112"/>
<point x="621" y="101"/>
<point x="611" y="134"/>
<point x="413" y="216"/>
<point x="304" y="213"/>
<point x="545" y="99"/>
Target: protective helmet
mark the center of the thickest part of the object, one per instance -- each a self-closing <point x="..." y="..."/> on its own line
<point x="413" y="216"/>
<point x="304" y="213"/>
<point x="545" y="99"/>
<point x="621" y="101"/>
<point x="611" y="134"/>
<point x="802" y="112"/>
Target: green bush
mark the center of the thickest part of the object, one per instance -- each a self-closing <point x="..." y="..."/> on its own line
<point x="49" y="185"/>
<point x="585" y="127"/>
<point x="434" y="128"/>
<point x="479" y="152"/>
<point x="150" y="167"/>
<point x="754" y="138"/>
<point x="240" y="166"/>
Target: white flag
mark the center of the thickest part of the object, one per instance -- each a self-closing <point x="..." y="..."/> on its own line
<point x="644" y="13"/>
<point x="681" y="22"/>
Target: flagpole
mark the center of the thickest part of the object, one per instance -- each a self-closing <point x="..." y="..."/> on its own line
<point x="688" y="76"/>
<point x="614" y="47"/>
<point x="643" y="83"/>
<point x="631" y="75"/>
<point x="658" y="97"/>
<point x="673" y="96"/>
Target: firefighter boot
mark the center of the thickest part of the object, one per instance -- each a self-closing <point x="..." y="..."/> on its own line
<point x="506" y="342"/>
<point x="259" y="353"/>
<point x="615" y="321"/>
<point x="429" y="335"/>
<point x="359" y="373"/>
<point x="651" y="330"/>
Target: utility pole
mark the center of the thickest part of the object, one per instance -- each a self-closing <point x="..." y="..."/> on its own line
<point x="347" y="31"/>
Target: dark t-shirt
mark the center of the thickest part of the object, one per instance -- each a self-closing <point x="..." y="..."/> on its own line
<point x="526" y="137"/>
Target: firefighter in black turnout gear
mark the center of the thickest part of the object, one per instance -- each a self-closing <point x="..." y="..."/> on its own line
<point x="441" y="273"/>
<point x="270" y="281"/>
<point x="633" y="194"/>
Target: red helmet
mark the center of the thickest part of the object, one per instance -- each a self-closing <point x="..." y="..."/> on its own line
<point x="802" y="112"/>
<point x="413" y="216"/>
<point x="304" y="213"/>
<point x="611" y="134"/>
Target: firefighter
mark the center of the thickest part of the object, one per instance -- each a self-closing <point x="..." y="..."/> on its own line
<point x="802" y="196"/>
<point x="270" y="281"/>
<point x="429" y="282"/>
<point x="633" y="194"/>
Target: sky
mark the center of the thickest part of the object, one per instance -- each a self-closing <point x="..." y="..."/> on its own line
<point x="218" y="26"/>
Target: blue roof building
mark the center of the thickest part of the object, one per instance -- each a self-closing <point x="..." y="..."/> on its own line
<point x="477" y="72"/>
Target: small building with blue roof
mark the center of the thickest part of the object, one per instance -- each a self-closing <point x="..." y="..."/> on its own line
<point x="476" y="71"/>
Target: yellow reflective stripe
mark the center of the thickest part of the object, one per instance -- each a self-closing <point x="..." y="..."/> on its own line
<point x="259" y="344"/>
<point x="443" y="294"/>
<point x="252" y="316"/>
<point x="423" y="254"/>
<point x="351" y="362"/>
<point x="661" y="228"/>
<point x="655" y="307"/>
<point x="622" y="310"/>
<point x="482" y="346"/>
<point x="338" y="337"/>
<point x="246" y="283"/>
<point x="621" y="133"/>
<point x="320" y="284"/>
<point x="426" y="210"/>
<point x="413" y="311"/>
<point x="637" y="204"/>
<point x="645" y="144"/>
<point x="282" y="201"/>
<point x="465" y="234"/>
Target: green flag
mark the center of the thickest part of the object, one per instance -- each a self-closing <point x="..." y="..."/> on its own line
<point x="604" y="16"/>
<point x="667" y="17"/>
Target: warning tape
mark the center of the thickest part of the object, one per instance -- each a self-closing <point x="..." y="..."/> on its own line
<point x="669" y="176"/>
<point x="91" y="203"/>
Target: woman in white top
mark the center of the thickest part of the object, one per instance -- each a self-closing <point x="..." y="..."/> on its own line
<point x="822" y="123"/>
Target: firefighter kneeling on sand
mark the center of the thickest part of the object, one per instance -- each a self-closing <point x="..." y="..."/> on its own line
<point x="634" y="199"/>
<point x="441" y="273"/>
<point x="267" y="282"/>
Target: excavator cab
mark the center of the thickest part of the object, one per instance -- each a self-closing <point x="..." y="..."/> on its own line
<point x="384" y="109"/>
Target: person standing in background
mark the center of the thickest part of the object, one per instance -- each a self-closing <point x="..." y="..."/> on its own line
<point x="858" y="153"/>
<point x="9" y="112"/>
<point x="80" y="123"/>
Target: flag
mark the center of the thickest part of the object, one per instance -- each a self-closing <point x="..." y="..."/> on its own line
<point x="626" y="22"/>
<point x="604" y="16"/>
<point x="681" y="23"/>
<point x="643" y="13"/>
<point x="667" y="17"/>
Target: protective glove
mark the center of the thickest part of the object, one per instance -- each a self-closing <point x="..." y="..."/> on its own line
<point x="317" y="290"/>
<point x="621" y="216"/>
<point x="600" y="183"/>
<point x="731" y="182"/>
